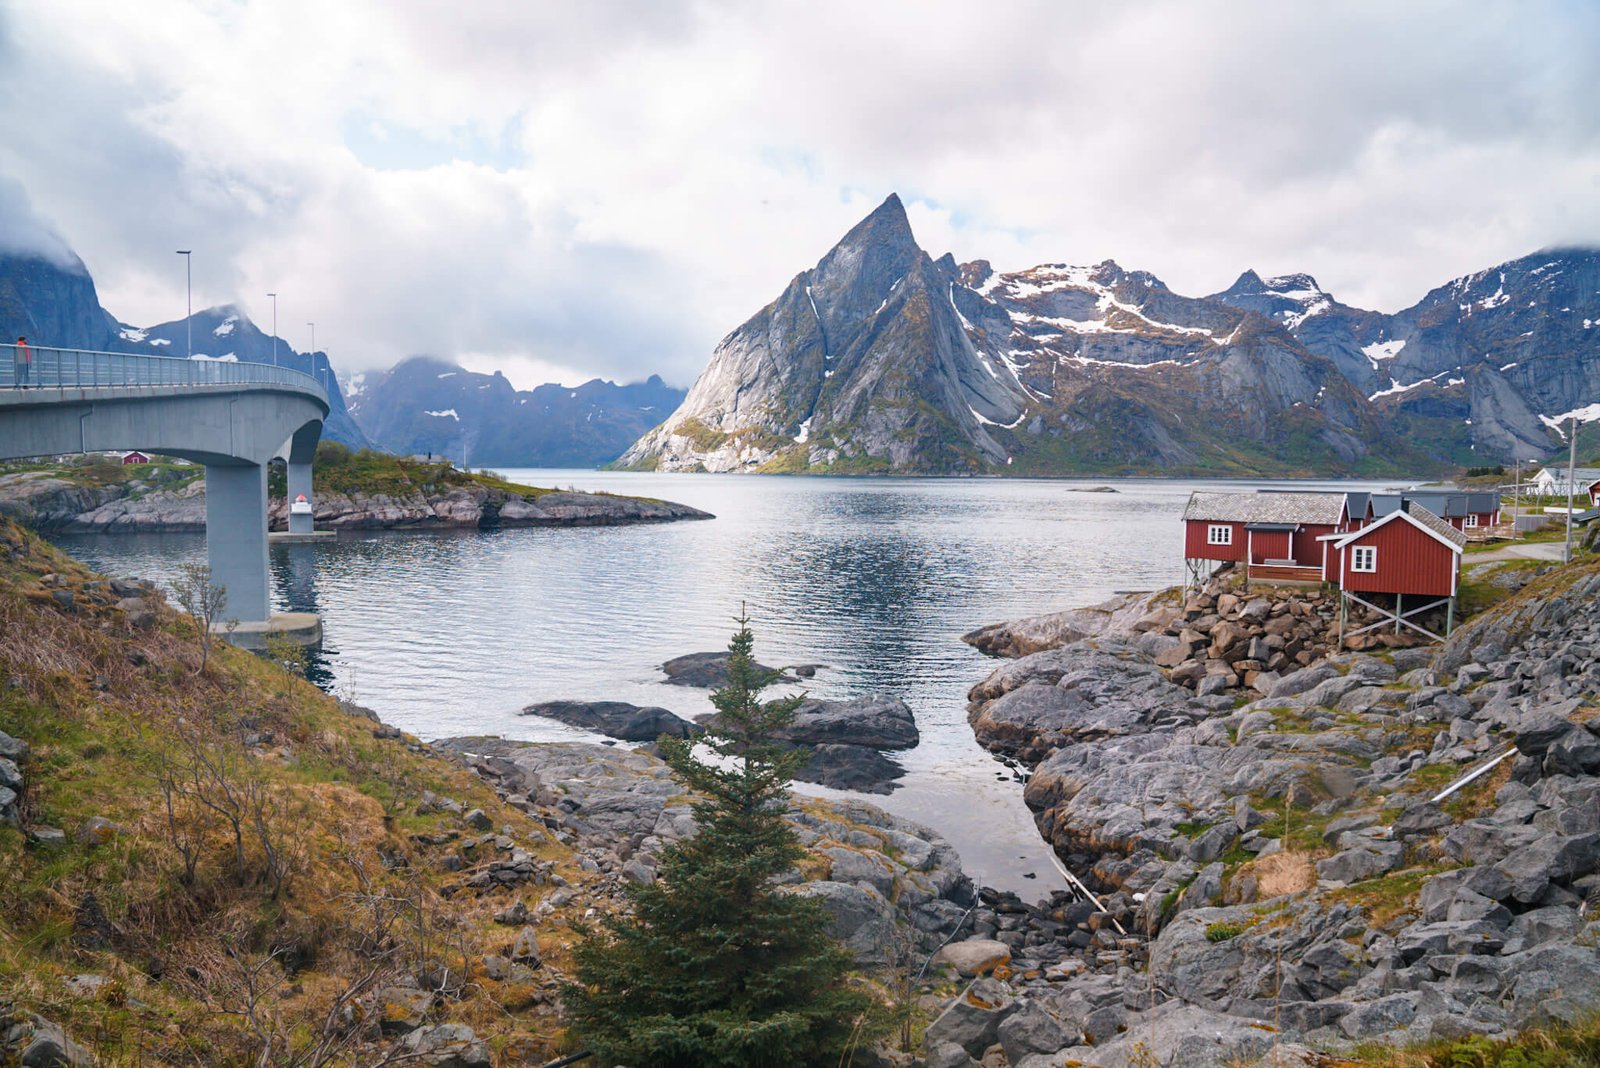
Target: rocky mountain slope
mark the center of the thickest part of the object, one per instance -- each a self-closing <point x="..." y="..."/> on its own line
<point x="882" y="358"/>
<point x="425" y="405"/>
<point x="56" y="305"/>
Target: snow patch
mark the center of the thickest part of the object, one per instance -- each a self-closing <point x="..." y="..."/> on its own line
<point x="160" y="341"/>
<point x="448" y="374"/>
<point x="1382" y="350"/>
<point x="131" y="333"/>
<point x="448" y="413"/>
<point x="226" y="357"/>
<point x="227" y="326"/>
<point x="1508" y="366"/>
<point x="805" y="431"/>
<point x="1587" y="414"/>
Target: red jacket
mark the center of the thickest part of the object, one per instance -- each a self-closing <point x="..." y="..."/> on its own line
<point x="24" y="354"/>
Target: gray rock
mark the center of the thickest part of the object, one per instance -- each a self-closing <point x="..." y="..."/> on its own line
<point x="974" y="956"/>
<point x="851" y="767"/>
<point x="525" y="949"/>
<point x="972" y="1021"/>
<point x="1556" y="858"/>
<point x="616" y="719"/>
<point x="448" y="1046"/>
<point x="851" y="866"/>
<point x="947" y="1055"/>
<point x="1180" y="1034"/>
<point x="13" y="748"/>
<point x="706" y="670"/>
<point x="42" y="1044"/>
<point x="1211" y="843"/>
<point x="478" y="820"/>
<point x="402" y="1009"/>
<point x="1554" y="984"/>
<point x="1367" y="861"/>
<point x="1033" y="1030"/>
<point x="862" y="918"/>
<point x="1380" y="1018"/>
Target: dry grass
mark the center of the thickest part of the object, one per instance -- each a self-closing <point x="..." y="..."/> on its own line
<point x="210" y="962"/>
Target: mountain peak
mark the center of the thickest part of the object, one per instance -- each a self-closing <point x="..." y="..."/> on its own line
<point x="886" y="225"/>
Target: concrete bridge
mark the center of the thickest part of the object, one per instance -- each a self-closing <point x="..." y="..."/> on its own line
<point x="232" y="417"/>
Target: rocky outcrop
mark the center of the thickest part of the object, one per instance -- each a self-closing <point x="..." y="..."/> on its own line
<point x="615" y="719"/>
<point x="1290" y="861"/>
<point x="1116" y="617"/>
<point x="880" y="874"/>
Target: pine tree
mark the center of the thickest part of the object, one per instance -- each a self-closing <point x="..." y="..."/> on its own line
<point x="715" y="966"/>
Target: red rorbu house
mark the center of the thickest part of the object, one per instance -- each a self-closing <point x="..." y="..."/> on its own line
<point x="1276" y="536"/>
<point x="1407" y="553"/>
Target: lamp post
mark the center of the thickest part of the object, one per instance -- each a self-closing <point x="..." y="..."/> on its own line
<point x="274" y="297"/>
<point x="313" y="327"/>
<point x="188" y="277"/>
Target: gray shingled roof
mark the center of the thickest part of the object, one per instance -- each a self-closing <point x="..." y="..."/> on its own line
<point x="1586" y="475"/>
<point x="1437" y="525"/>
<point x="1322" y="509"/>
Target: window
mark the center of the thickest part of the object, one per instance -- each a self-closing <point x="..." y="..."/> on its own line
<point x="1472" y="519"/>
<point x="1364" y="558"/>
<point x="1219" y="534"/>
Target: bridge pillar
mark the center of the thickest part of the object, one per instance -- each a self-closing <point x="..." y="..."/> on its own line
<point x="301" y="522"/>
<point x="236" y="538"/>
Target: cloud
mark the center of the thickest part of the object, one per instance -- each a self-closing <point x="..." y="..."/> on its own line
<point x="608" y="188"/>
<point x="24" y="231"/>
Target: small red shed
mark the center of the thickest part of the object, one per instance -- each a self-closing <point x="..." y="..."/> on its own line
<point x="1594" y="494"/>
<point x="1409" y="552"/>
<point x="135" y="458"/>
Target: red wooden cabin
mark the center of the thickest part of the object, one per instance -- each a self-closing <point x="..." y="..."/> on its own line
<point x="135" y="458"/>
<point x="1408" y="553"/>
<point x="1275" y="535"/>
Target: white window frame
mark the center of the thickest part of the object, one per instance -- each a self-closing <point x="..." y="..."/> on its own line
<point x="1472" y="519"/>
<point x="1366" y="553"/>
<point x="1219" y="534"/>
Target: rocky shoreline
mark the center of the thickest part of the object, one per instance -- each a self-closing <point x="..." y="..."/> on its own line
<point x="59" y="505"/>
<point x="1275" y="865"/>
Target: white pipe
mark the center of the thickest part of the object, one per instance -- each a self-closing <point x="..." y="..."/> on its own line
<point x="1469" y="776"/>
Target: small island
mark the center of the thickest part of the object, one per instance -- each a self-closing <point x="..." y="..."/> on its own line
<point x="354" y="490"/>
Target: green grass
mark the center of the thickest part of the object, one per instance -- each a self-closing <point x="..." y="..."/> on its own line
<point x="1563" y="1046"/>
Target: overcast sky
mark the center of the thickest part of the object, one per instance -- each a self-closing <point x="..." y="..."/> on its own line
<point x="566" y="190"/>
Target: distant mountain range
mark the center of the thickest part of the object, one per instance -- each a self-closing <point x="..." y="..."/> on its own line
<point x="56" y="305"/>
<point x="881" y="358"/>
<point x="422" y="405"/>
<point x="427" y="405"/>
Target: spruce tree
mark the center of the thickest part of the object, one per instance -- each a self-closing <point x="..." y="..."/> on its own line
<point x="715" y="965"/>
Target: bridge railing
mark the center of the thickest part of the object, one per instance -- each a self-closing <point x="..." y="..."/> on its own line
<point x="52" y="368"/>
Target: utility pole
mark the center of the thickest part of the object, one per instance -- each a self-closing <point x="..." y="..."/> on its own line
<point x="313" y="327"/>
<point x="274" y="297"/>
<point x="1516" y="492"/>
<point x="188" y="277"/>
<point x="1572" y="480"/>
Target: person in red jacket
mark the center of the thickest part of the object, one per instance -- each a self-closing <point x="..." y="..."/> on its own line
<point x="24" y="363"/>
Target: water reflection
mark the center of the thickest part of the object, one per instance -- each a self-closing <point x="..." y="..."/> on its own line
<point x="453" y="633"/>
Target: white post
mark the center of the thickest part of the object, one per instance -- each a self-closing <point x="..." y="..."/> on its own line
<point x="1572" y="483"/>
<point x="188" y="281"/>
<point x="274" y="297"/>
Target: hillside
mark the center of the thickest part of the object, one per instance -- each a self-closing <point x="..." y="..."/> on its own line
<point x="132" y="916"/>
<point x="425" y="406"/>
<point x="883" y="359"/>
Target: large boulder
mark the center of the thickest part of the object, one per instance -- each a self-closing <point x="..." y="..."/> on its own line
<point x="851" y="767"/>
<point x="706" y="670"/>
<point x="974" y="956"/>
<point x="863" y="919"/>
<point x="447" y="1046"/>
<point x="972" y="1021"/>
<point x="876" y="722"/>
<point x="615" y="719"/>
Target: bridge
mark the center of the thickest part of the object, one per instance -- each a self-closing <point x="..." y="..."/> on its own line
<point x="232" y="417"/>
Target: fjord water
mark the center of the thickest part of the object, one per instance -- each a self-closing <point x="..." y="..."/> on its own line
<point x="872" y="579"/>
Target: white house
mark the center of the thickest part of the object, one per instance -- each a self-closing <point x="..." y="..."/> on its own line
<point x="1552" y="482"/>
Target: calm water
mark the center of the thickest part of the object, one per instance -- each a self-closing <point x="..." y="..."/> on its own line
<point x="874" y="578"/>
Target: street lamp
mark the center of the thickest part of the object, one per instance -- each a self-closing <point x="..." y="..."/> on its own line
<point x="274" y="297"/>
<point x="313" y="327"/>
<point x="188" y="275"/>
